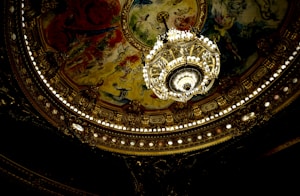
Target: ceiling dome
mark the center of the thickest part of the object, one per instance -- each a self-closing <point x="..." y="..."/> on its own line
<point x="80" y="65"/>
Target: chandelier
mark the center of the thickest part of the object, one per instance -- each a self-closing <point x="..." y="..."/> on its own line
<point x="181" y="64"/>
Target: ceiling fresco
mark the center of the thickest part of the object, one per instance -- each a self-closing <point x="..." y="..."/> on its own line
<point x="100" y="44"/>
<point x="81" y="66"/>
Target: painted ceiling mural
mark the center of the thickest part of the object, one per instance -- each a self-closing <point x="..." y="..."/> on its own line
<point x="101" y="44"/>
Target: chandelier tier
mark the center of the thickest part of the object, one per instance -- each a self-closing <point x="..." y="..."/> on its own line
<point x="181" y="65"/>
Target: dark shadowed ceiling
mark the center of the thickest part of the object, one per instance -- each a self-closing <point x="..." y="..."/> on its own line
<point x="79" y="117"/>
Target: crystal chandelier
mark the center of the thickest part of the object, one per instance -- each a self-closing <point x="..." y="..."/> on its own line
<point x="181" y="65"/>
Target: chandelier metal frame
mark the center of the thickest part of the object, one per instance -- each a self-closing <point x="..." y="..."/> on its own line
<point x="181" y="65"/>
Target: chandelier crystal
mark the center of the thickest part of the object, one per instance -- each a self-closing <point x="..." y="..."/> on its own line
<point x="181" y="65"/>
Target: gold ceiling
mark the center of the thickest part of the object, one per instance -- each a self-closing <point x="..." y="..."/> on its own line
<point x="80" y="64"/>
